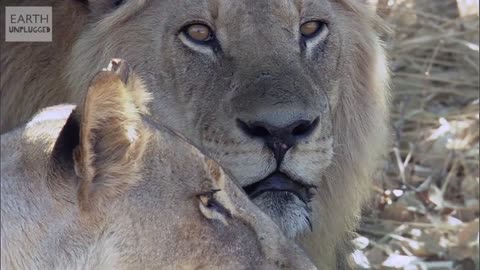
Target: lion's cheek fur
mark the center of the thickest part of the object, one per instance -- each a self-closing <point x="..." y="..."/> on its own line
<point x="362" y="138"/>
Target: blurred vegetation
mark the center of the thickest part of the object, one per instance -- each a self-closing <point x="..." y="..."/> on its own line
<point x="425" y="212"/>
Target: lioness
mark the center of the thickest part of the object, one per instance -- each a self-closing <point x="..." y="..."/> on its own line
<point x="100" y="188"/>
<point x="287" y="95"/>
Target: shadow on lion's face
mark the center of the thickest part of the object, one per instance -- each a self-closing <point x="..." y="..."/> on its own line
<point x="255" y="84"/>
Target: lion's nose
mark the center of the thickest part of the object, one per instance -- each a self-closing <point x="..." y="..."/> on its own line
<point x="279" y="139"/>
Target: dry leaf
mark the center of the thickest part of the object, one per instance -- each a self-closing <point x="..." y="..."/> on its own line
<point x="469" y="233"/>
<point x="396" y="261"/>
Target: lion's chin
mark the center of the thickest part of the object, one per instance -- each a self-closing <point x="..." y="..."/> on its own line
<point x="287" y="210"/>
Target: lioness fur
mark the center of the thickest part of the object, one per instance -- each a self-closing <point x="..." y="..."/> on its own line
<point x="260" y="69"/>
<point x="99" y="188"/>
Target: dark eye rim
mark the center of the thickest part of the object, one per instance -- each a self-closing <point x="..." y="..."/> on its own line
<point x="211" y="38"/>
<point x="213" y="204"/>
<point x="322" y="26"/>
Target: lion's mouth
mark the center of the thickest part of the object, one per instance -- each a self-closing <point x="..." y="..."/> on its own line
<point x="278" y="181"/>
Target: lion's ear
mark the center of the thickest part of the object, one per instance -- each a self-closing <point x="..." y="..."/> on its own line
<point x="102" y="6"/>
<point x="112" y="136"/>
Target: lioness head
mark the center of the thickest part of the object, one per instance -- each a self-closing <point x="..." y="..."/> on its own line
<point x="110" y="188"/>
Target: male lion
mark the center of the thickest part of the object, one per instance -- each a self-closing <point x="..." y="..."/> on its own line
<point x="286" y="95"/>
<point x="101" y="188"/>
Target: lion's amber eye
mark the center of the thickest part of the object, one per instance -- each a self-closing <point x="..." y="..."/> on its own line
<point x="199" y="32"/>
<point x="310" y="28"/>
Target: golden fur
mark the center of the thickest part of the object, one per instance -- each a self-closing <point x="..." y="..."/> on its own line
<point x="99" y="188"/>
<point x="200" y="94"/>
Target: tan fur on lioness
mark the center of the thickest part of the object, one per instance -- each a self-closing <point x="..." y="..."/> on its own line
<point x="100" y="188"/>
<point x="259" y="68"/>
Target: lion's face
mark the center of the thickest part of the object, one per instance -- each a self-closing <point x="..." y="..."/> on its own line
<point x="255" y="84"/>
<point x="254" y="95"/>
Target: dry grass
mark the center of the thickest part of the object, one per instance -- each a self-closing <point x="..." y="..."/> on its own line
<point x="426" y="208"/>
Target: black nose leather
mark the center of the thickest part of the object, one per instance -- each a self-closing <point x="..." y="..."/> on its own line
<point x="279" y="139"/>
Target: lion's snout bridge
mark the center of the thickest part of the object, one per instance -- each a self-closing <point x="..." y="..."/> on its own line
<point x="278" y="108"/>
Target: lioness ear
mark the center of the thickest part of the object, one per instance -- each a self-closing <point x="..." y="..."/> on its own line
<point x="112" y="136"/>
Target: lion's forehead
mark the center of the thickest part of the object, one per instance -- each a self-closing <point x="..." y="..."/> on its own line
<point x="252" y="13"/>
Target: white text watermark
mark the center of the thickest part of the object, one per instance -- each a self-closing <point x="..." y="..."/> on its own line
<point x="28" y="24"/>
